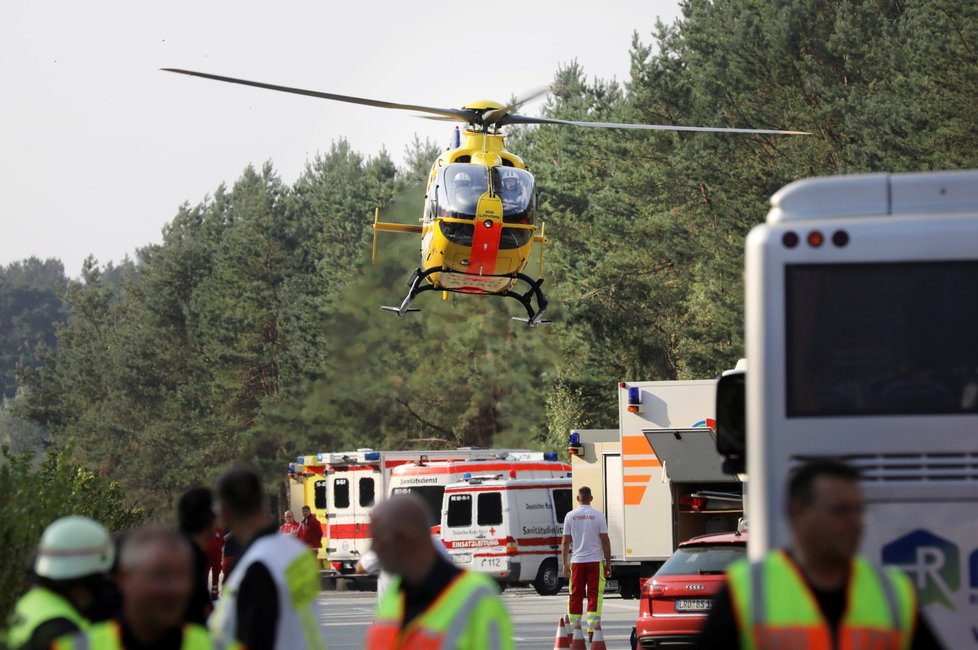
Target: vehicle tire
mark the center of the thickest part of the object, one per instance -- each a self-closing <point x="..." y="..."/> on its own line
<point x="502" y="586"/>
<point x="547" y="582"/>
<point x="628" y="588"/>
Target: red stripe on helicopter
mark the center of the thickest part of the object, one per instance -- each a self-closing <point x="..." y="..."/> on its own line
<point x="485" y="246"/>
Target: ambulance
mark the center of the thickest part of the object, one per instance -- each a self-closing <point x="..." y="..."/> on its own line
<point x="428" y="480"/>
<point x="658" y="477"/>
<point x="356" y="481"/>
<point x="307" y="487"/>
<point x="508" y="528"/>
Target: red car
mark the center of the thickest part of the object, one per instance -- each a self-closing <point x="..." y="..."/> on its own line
<point x="675" y="601"/>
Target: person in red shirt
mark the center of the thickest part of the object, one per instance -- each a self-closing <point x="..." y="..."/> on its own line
<point x="214" y="550"/>
<point x="310" y="530"/>
<point x="291" y="526"/>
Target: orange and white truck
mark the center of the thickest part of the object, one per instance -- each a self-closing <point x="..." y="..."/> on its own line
<point x="658" y="477"/>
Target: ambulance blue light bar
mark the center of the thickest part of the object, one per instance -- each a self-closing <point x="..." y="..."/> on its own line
<point x="550" y="455"/>
<point x="575" y="439"/>
<point x="291" y="468"/>
<point x="466" y="476"/>
<point x="371" y="455"/>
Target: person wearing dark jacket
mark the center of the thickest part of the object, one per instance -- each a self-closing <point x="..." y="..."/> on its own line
<point x="196" y="520"/>
<point x="310" y="530"/>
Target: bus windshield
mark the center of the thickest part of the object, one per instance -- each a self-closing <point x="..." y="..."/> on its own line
<point x="881" y="338"/>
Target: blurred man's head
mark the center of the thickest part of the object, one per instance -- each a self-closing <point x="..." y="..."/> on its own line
<point x="402" y="537"/>
<point x="289" y="519"/>
<point x="239" y="495"/>
<point x="155" y="578"/>
<point x="195" y="512"/>
<point x="825" y="509"/>
<point x="306" y="511"/>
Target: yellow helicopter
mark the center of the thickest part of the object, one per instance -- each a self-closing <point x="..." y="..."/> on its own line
<point x="477" y="228"/>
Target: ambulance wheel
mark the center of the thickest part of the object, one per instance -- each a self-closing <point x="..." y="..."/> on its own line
<point x="548" y="579"/>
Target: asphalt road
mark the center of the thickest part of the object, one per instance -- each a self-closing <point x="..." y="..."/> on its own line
<point x="347" y="615"/>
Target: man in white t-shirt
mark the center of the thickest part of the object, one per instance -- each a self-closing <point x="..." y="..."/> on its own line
<point x="586" y="537"/>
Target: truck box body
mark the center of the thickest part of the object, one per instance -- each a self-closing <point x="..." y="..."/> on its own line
<point x="661" y="484"/>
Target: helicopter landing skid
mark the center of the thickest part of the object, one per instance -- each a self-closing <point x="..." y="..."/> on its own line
<point x="534" y="317"/>
<point x="416" y="288"/>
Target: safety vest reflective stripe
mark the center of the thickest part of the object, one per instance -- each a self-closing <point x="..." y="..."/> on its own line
<point x="444" y="624"/>
<point x="879" y="614"/>
<point x="38" y="606"/>
<point x="106" y="636"/>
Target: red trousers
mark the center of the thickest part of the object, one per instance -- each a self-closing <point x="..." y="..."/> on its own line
<point x="585" y="576"/>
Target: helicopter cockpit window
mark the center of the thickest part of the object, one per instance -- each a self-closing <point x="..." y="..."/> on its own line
<point x="515" y="188"/>
<point x="459" y="187"/>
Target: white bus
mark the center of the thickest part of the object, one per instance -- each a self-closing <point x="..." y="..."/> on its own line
<point x="862" y="343"/>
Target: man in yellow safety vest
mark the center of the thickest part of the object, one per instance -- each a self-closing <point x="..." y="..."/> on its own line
<point x="430" y="603"/>
<point x="70" y="561"/>
<point x="819" y="593"/>
<point x="156" y="579"/>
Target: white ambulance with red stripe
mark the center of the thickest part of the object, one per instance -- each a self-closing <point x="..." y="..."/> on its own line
<point x="508" y="528"/>
<point x="355" y="481"/>
<point x="428" y="480"/>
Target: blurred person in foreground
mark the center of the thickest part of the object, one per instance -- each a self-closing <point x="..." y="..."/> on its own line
<point x="71" y="558"/>
<point x="270" y="598"/>
<point x="155" y="577"/>
<point x="430" y="603"/>
<point x="819" y="593"/>
<point x="196" y="521"/>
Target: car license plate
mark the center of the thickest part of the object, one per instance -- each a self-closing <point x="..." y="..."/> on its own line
<point x="462" y="558"/>
<point x="693" y="605"/>
<point x="611" y="585"/>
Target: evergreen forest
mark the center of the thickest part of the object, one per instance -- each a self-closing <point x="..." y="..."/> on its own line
<point x="252" y="331"/>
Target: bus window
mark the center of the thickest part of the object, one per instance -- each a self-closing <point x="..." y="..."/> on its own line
<point x="896" y="338"/>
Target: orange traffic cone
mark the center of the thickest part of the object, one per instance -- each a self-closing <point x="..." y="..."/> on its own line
<point x="578" y="643"/>
<point x="561" y="640"/>
<point x="597" y="641"/>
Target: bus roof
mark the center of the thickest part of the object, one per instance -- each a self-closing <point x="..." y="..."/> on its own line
<point x="875" y="195"/>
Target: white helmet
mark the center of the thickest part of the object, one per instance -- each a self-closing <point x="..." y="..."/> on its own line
<point x="73" y="547"/>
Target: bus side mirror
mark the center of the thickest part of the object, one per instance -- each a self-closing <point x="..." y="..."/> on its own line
<point x="731" y="413"/>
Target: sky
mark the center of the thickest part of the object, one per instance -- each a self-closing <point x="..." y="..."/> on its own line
<point x="98" y="148"/>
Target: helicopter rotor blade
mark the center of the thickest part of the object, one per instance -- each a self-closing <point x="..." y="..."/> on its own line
<point x="452" y="113"/>
<point x="524" y="119"/>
